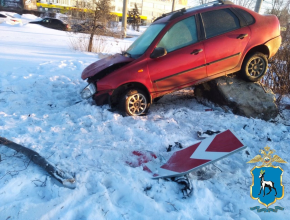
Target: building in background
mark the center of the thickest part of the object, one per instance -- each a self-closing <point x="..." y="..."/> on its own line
<point x="148" y="8"/>
<point x="18" y="4"/>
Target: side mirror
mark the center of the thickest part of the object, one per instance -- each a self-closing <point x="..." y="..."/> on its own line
<point x="158" y="52"/>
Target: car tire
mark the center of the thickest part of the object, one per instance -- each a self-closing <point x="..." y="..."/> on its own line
<point x="254" y="66"/>
<point x="135" y="102"/>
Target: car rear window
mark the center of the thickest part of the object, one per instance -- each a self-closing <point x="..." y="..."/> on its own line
<point x="219" y="21"/>
<point x="246" y="15"/>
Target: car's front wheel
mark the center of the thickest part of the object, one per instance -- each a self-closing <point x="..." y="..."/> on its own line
<point x="135" y="102"/>
<point x="254" y="67"/>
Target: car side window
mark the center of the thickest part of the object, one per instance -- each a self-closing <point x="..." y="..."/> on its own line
<point x="2" y="16"/>
<point x="247" y="16"/>
<point x="180" y="35"/>
<point x="45" y="20"/>
<point x="219" y="21"/>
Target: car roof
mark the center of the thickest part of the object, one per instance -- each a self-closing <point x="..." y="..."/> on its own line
<point x="204" y="7"/>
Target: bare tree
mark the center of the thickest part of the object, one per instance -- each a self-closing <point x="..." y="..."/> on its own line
<point x="100" y="16"/>
<point x="278" y="76"/>
<point x="245" y="3"/>
<point x="134" y="18"/>
<point x="280" y="8"/>
<point x="92" y="17"/>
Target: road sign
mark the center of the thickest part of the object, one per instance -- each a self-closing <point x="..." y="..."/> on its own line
<point x="196" y="156"/>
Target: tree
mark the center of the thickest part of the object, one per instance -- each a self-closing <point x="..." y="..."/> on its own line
<point x="278" y="76"/>
<point x="92" y="17"/>
<point x="134" y="18"/>
<point x="101" y="15"/>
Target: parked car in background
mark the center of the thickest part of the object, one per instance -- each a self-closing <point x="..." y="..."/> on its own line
<point x="181" y="49"/>
<point x="86" y="27"/>
<point x="52" y="23"/>
<point x="9" y="19"/>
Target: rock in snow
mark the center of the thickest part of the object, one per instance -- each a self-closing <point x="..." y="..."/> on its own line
<point x="244" y="98"/>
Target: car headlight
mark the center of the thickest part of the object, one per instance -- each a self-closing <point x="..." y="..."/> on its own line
<point x="88" y="91"/>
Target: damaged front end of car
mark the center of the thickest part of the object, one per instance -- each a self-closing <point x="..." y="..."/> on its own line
<point x="97" y="71"/>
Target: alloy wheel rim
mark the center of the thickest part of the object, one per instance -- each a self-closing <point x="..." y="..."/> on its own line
<point x="257" y="67"/>
<point x="137" y="104"/>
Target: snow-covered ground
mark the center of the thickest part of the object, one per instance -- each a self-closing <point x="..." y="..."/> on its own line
<point x="39" y="108"/>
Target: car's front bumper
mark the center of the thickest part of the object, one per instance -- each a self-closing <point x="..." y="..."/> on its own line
<point x="100" y="97"/>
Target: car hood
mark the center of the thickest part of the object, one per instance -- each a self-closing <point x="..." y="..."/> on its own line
<point x="102" y="64"/>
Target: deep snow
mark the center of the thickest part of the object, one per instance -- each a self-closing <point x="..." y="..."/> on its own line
<point x="39" y="108"/>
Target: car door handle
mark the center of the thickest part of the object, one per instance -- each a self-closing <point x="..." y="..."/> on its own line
<point x="242" y="36"/>
<point x="197" y="51"/>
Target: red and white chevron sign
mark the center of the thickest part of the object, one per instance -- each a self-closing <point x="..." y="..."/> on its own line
<point x="200" y="154"/>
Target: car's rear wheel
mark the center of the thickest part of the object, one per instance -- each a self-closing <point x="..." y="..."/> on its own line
<point x="135" y="102"/>
<point x="254" y="67"/>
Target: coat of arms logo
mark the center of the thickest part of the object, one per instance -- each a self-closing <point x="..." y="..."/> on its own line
<point x="267" y="185"/>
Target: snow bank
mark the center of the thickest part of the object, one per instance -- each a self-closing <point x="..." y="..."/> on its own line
<point x="30" y="17"/>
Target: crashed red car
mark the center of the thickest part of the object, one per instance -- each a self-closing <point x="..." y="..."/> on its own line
<point x="181" y="49"/>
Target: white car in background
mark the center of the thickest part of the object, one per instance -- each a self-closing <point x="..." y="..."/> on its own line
<point x="9" y="19"/>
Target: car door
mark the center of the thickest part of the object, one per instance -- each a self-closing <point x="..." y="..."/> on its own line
<point x="53" y="24"/>
<point x="184" y="62"/>
<point x="225" y="40"/>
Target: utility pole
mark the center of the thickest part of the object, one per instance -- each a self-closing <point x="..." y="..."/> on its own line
<point x="173" y="5"/>
<point x="258" y="6"/>
<point x="142" y="8"/>
<point x="124" y="18"/>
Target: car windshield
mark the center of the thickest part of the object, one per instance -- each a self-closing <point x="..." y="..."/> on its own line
<point x="143" y="42"/>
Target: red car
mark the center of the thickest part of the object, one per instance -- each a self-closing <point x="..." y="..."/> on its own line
<point x="181" y="49"/>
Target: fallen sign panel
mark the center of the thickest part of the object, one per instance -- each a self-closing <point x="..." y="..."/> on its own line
<point x="196" y="156"/>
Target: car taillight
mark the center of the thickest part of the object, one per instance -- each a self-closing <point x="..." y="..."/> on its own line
<point x="13" y="20"/>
